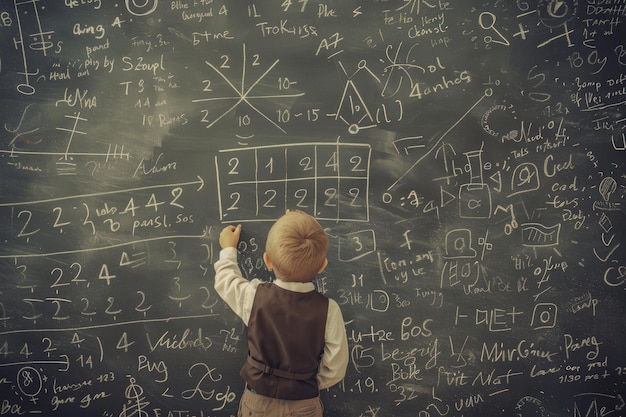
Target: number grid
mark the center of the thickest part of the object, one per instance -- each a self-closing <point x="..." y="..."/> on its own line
<point x="330" y="181"/>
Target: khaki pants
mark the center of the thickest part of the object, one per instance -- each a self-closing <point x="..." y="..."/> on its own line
<point x="255" y="405"/>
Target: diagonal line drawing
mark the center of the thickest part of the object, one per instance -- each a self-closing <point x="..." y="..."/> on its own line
<point x="243" y="93"/>
<point x="487" y="93"/>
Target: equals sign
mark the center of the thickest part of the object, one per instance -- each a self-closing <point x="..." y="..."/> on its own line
<point x="66" y="168"/>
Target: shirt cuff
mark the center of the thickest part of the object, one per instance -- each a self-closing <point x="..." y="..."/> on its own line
<point x="229" y="253"/>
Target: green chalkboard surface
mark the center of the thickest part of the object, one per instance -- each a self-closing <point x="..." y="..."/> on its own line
<point x="465" y="157"/>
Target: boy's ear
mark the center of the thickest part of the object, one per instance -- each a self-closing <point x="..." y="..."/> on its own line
<point x="267" y="260"/>
<point x="324" y="265"/>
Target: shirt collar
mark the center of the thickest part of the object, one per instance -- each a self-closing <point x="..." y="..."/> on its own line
<point x="295" y="286"/>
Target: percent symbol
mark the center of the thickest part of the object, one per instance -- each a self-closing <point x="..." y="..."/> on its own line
<point x="482" y="241"/>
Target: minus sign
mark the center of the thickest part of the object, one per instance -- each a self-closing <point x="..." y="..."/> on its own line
<point x="298" y="114"/>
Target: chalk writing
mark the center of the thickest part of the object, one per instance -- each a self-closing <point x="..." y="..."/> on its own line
<point x="465" y="159"/>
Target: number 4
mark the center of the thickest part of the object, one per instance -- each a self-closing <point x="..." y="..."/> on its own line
<point x="104" y="274"/>
<point x="123" y="343"/>
<point x="332" y="162"/>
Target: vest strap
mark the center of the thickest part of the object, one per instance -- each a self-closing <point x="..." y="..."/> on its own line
<point x="279" y="372"/>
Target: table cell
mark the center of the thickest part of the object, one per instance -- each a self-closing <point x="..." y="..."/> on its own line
<point x="354" y="161"/>
<point x="300" y="161"/>
<point x="271" y="164"/>
<point x="353" y="199"/>
<point x="236" y="166"/>
<point x="327" y="199"/>
<point x="235" y="202"/>
<point x="270" y="200"/>
<point x="327" y="160"/>
<point x="301" y="195"/>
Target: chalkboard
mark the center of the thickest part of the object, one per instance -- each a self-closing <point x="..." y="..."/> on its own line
<point x="465" y="157"/>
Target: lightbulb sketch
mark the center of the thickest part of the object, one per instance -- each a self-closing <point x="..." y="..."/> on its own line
<point x="608" y="185"/>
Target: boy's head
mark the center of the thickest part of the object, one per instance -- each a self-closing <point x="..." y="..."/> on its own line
<point x="296" y="247"/>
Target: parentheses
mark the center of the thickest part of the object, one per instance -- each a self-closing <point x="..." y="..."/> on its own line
<point x="400" y="110"/>
<point x="101" y="348"/>
<point x="67" y="363"/>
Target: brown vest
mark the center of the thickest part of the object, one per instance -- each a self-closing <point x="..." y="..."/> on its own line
<point x="285" y="342"/>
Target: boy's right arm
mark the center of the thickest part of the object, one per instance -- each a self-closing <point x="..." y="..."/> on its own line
<point x="234" y="289"/>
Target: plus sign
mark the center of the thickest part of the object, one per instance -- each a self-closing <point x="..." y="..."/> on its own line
<point x="522" y="32"/>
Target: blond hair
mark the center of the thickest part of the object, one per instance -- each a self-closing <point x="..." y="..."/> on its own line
<point x="296" y="245"/>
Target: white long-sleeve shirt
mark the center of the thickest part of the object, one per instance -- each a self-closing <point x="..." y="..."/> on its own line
<point x="239" y="294"/>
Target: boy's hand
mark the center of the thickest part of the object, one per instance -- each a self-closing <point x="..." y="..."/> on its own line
<point x="229" y="237"/>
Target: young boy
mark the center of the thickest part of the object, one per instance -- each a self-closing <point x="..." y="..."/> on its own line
<point x="297" y="342"/>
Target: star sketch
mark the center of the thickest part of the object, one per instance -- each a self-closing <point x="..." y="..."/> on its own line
<point x="242" y="94"/>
